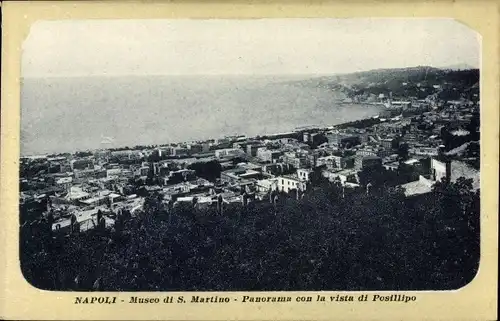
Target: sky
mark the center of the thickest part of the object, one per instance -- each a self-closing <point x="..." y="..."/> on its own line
<point x="243" y="47"/>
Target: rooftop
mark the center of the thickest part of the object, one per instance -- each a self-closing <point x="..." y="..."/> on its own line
<point x="291" y="176"/>
<point x="422" y="186"/>
<point x="461" y="169"/>
<point x="412" y="161"/>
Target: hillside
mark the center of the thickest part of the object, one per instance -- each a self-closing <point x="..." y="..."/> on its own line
<point x="458" y="67"/>
<point x="417" y="82"/>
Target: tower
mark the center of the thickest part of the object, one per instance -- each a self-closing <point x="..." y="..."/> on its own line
<point x="244" y="199"/>
<point x="220" y="204"/>
<point x="48" y="203"/>
<point x="368" y="187"/>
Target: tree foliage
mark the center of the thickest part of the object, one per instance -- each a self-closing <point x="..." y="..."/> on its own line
<point x="329" y="239"/>
<point x="208" y="170"/>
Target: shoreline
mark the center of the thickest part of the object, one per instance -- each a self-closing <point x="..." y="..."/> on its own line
<point x="294" y="131"/>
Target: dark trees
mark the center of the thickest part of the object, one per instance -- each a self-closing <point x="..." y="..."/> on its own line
<point x="403" y="150"/>
<point x="208" y="170"/>
<point x="329" y="239"/>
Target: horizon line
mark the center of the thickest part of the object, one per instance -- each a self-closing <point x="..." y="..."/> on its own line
<point x="453" y="66"/>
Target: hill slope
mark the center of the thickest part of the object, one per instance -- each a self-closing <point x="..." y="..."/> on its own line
<point x="418" y="82"/>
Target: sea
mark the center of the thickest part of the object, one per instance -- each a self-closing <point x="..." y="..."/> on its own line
<point x="84" y="113"/>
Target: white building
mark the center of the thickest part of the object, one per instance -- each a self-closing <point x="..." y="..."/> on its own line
<point x="265" y="185"/>
<point x="76" y="193"/>
<point x="228" y="152"/>
<point x="65" y="182"/>
<point x="113" y="173"/>
<point x="268" y="155"/>
<point x="288" y="182"/>
<point x="304" y="174"/>
<point x="331" y="162"/>
<point x="344" y="176"/>
<point x="423" y="151"/>
<point x="440" y="169"/>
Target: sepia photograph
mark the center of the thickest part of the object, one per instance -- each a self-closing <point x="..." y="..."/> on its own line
<point x="224" y="155"/>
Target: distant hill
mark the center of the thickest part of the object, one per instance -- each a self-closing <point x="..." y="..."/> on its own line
<point x="417" y="82"/>
<point x="458" y="67"/>
<point x="427" y="74"/>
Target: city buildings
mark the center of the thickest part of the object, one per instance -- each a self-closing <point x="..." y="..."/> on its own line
<point x="405" y="143"/>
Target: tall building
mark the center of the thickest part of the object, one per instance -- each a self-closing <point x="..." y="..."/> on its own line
<point x="81" y="164"/>
<point x="440" y="169"/>
<point x="253" y="147"/>
<point x="362" y="162"/>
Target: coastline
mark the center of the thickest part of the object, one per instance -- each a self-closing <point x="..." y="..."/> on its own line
<point x="275" y="135"/>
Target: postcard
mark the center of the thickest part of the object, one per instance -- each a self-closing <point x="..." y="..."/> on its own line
<point x="284" y="162"/>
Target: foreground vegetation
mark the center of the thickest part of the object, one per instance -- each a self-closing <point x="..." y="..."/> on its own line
<point x="376" y="241"/>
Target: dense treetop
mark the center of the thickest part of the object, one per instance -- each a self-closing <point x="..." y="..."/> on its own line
<point x="329" y="240"/>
